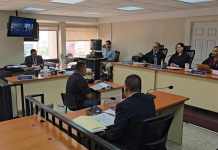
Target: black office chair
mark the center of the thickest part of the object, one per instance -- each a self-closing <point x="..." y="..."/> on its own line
<point x="152" y="133"/>
<point x="68" y="104"/>
<point x="136" y="59"/>
<point x="165" y="51"/>
<point x="117" y="56"/>
<point x="191" y="54"/>
<point x="187" y="48"/>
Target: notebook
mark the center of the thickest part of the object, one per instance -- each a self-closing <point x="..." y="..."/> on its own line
<point x="89" y="123"/>
<point x="95" y="123"/>
<point x="100" y="86"/>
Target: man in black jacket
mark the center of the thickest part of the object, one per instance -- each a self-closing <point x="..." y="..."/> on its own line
<point x="136" y="107"/>
<point x="155" y="53"/>
<point x="34" y="59"/>
<point x="78" y="92"/>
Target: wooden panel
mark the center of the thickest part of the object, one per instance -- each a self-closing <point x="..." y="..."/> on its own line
<point x="201" y="91"/>
<point x="121" y="72"/>
<point x="30" y="134"/>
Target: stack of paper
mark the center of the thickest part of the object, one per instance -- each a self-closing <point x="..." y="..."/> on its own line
<point x="105" y="119"/>
<point x="96" y="123"/>
<point x="110" y="112"/>
<point x="89" y="123"/>
<point x="100" y="86"/>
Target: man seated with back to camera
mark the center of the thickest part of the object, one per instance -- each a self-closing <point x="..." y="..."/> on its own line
<point x="78" y="91"/>
<point x="136" y="107"/>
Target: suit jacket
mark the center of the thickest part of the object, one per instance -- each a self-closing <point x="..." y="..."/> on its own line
<point x="149" y="57"/>
<point x="137" y="107"/>
<point x="76" y="90"/>
<point x="29" y="61"/>
<point x="211" y="63"/>
<point x="180" y="60"/>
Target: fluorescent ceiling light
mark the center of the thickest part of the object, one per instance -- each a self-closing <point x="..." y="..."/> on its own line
<point x="130" y="8"/>
<point x="67" y="1"/>
<point x="195" y="1"/>
<point x="33" y="9"/>
<point x="92" y="13"/>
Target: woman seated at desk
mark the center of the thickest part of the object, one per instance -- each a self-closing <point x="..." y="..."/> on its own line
<point x="212" y="60"/>
<point x="180" y="58"/>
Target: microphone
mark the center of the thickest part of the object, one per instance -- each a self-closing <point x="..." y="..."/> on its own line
<point x="167" y="87"/>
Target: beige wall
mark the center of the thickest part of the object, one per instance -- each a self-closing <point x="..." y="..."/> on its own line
<point x="11" y="48"/>
<point x="138" y="36"/>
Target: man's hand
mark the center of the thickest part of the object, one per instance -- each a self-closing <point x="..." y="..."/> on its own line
<point x="97" y="81"/>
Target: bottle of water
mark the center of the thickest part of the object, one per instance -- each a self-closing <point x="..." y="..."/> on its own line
<point x="155" y="60"/>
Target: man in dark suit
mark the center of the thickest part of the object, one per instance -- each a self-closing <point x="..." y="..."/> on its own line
<point x="78" y="93"/>
<point x="34" y="60"/>
<point x="155" y="53"/>
<point x="136" y="107"/>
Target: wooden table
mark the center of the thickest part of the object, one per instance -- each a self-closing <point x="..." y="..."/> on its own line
<point x="52" y="87"/>
<point x="29" y="133"/>
<point x="202" y="90"/>
<point x="164" y="102"/>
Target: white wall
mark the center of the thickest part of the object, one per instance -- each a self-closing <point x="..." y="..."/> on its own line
<point x="133" y="37"/>
<point x="11" y="48"/>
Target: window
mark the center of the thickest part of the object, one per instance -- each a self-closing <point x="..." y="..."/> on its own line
<point x="46" y="46"/>
<point x="78" y="40"/>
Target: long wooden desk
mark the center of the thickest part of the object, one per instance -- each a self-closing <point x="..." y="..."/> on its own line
<point x="202" y="90"/>
<point x="29" y="133"/>
<point x="52" y="87"/>
<point x="164" y="102"/>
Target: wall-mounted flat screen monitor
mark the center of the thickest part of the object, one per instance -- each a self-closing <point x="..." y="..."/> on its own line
<point x="21" y="27"/>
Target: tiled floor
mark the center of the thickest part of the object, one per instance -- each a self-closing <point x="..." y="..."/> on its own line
<point x="196" y="138"/>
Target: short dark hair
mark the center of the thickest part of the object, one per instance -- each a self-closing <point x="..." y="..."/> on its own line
<point x="79" y="65"/>
<point x="216" y="47"/>
<point x="33" y="50"/>
<point x="181" y="44"/>
<point x="133" y="83"/>
<point x="108" y="41"/>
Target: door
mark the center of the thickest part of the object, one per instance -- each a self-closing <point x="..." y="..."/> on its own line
<point x="204" y="39"/>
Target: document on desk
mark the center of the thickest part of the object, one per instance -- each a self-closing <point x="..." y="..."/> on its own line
<point x="89" y="123"/>
<point x="96" y="123"/>
<point x="105" y="119"/>
<point x="100" y="86"/>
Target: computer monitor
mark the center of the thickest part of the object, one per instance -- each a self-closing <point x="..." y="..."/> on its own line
<point x="96" y="44"/>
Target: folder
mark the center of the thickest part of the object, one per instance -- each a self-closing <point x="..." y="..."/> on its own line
<point x="89" y="123"/>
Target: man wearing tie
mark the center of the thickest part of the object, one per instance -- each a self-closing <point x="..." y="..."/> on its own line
<point x="34" y="60"/>
<point x="136" y="107"/>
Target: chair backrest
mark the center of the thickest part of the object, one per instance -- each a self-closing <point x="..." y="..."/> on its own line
<point x="136" y="58"/>
<point x="69" y="104"/>
<point x="117" y="56"/>
<point x="152" y="133"/>
<point x="187" y="48"/>
<point x="165" y="51"/>
<point x="191" y="54"/>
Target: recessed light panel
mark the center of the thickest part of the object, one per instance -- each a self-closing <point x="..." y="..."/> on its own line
<point x="195" y="1"/>
<point x="130" y="8"/>
<point x="33" y="9"/>
<point x="67" y="1"/>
